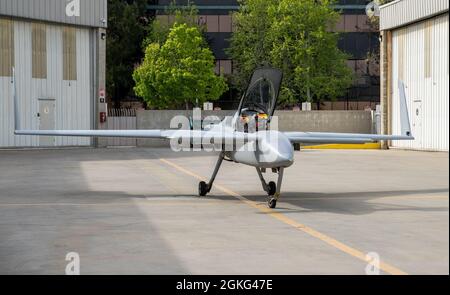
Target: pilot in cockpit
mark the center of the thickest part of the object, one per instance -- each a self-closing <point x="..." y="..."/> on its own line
<point x="253" y="121"/>
<point x="254" y="115"/>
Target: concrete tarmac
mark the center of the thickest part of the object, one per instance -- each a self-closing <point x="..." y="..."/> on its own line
<point x="136" y="211"/>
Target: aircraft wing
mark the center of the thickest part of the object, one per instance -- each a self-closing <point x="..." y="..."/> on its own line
<point x="95" y="133"/>
<point x="295" y="137"/>
<point x="344" y="138"/>
<point x="323" y="137"/>
<point x="163" y="134"/>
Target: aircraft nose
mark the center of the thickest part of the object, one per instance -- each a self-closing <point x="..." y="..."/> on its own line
<point x="277" y="150"/>
<point x="285" y="159"/>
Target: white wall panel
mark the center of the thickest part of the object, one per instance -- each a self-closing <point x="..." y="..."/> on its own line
<point x="92" y="12"/>
<point x="403" y="12"/>
<point x="432" y="93"/>
<point x="73" y="98"/>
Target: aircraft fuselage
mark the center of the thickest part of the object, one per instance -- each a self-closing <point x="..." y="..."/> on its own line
<point x="272" y="150"/>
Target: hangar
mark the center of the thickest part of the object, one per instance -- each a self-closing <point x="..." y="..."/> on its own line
<point x="415" y="49"/>
<point x="57" y="48"/>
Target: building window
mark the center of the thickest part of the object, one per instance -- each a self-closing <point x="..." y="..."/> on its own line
<point x="69" y="54"/>
<point x="212" y="23"/>
<point x="39" y="51"/>
<point x="351" y="23"/>
<point x="6" y="47"/>
<point x="225" y="23"/>
<point x="224" y="67"/>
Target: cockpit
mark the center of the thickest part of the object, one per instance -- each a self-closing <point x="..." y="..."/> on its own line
<point x="258" y="103"/>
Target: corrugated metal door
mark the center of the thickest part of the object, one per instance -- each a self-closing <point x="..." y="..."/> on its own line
<point x="73" y="98"/>
<point x="420" y="57"/>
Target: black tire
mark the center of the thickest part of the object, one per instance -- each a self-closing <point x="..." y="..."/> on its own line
<point x="272" y="188"/>
<point x="272" y="203"/>
<point x="202" y="189"/>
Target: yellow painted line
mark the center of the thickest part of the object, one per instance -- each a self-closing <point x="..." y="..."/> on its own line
<point x="366" y="146"/>
<point x="308" y="230"/>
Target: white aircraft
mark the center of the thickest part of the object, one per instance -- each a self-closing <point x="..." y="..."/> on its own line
<point x="260" y="146"/>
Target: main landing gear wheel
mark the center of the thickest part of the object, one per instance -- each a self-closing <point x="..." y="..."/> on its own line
<point x="272" y="202"/>
<point x="272" y="188"/>
<point x="202" y="189"/>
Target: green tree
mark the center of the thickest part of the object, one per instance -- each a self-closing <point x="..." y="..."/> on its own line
<point x="307" y="50"/>
<point x="294" y="36"/>
<point x="249" y="44"/>
<point x="181" y="71"/>
<point x="127" y="24"/>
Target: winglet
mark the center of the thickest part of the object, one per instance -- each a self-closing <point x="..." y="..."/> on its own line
<point x="404" y="115"/>
<point x="16" y="103"/>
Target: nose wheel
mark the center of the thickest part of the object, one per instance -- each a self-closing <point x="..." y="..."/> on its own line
<point x="272" y="202"/>
<point x="271" y="188"/>
<point x="271" y="191"/>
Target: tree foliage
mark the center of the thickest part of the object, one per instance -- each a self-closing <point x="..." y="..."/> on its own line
<point x="249" y="45"/>
<point x="127" y="24"/>
<point x="181" y="71"/>
<point x="307" y="50"/>
<point x="294" y="36"/>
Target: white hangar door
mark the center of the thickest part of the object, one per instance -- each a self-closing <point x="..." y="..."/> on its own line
<point x="53" y="64"/>
<point x="420" y="57"/>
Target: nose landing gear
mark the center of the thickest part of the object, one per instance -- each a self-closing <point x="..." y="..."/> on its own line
<point x="272" y="189"/>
